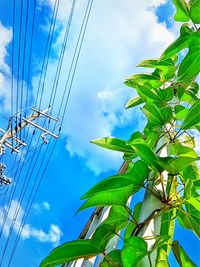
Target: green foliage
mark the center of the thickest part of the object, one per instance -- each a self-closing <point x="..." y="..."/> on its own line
<point x="71" y="251"/>
<point x="181" y="255"/>
<point x="168" y="96"/>
<point x="135" y="248"/>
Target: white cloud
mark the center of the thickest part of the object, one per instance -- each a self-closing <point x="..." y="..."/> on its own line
<point x="118" y="37"/>
<point x="39" y="207"/>
<point x="16" y="213"/>
<point x="6" y="37"/>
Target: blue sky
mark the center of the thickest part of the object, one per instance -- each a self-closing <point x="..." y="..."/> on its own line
<point x="119" y="35"/>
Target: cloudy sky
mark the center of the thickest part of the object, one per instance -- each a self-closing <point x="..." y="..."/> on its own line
<point x="119" y="35"/>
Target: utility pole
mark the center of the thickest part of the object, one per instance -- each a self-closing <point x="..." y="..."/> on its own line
<point x="97" y="217"/>
<point x="9" y="137"/>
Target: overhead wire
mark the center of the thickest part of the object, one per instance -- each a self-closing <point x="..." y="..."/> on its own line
<point x="50" y="32"/>
<point x="61" y="57"/>
<point x="67" y="95"/>
<point x="18" y="61"/>
<point x="29" y="57"/>
<point x="52" y="22"/>
<point x="47" y="52"/>
<point x="27" y="212"/>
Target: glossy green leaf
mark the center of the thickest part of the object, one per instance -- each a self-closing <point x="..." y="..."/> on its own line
<point x="113" y="259"/>
<point x="178" y="150"/>
<point x="135" y="138"/>
<point x="166" y="94"/>
<point x="118" y="217"/>
<point x="175" y="165"/>
<point x="132" y="224"/>
<point x="190" y="67"/>
<point x="113" y="144"/>
<point x="164" y="65"/>
<point x="135" y="248"/>
<point x="153" y="114"/>
<point x="185" y="29"/>
<point x="197" y="184"/>
<point x="190" y="219"/>
<point x="70" y="251"/>
<point x="182" y="13"/>
<point x="139" y="172"/>
<point x="148" y="156"/>
<point x="134" y="178"/>
<point x="181" y="256"/>
<point x="134" y="102"/>
<point x="189" y="97"/>
<point x="195" y="11"/>
<point x="193" y="87"/>
<point x="190" y="172"/>
<point x="157" y="116"/>
<point x="147" y="94"/>
<point x="109" y="197"/>
<point x="181" y="112"/>
<point x="176" y="46"/>
<point x="140" y="79"/>
<point x="102" y="235"/>
<point x="193" y="116"/>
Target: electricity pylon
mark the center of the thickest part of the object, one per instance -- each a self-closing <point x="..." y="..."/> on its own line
<point x="9" y="137"/>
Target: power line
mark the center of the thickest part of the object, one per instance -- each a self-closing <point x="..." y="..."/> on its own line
<point x="85" y="18"/>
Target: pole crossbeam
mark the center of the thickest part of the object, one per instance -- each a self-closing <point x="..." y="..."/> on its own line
<point x="11" y="132"/>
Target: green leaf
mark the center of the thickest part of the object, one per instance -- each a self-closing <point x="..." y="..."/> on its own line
<point x="185" y="29"/>
<point x="193" y="87"/>
<point x="113" y="144"/>
<point x="190" y="66"/>
<point x="135" y="138"/>
<point x="152" y="113"/>
<point x="195" y="11"/>
<point x="148" y="156"/>
<point x="140" y="79"/>
<point x="181" y="112"/>
<point x="193" y="116"/>
<point x="131" y="226"/>
<point x="71" y="251"/>
<point x="157" y="116"/>
<point x="135" y="178"/>
<point x="178" y="150"/>
<point x="102" y="235"/>
<point x="175" y="165"/>
<point x="164" y="65"/>
<point x="139" y="172"/>
<point x="118" y="217"/>
<point x="134" y="102"/>
<point x="189" y="219"/>
<point x="135" y="248"/>
<point x="166" y="94"/>
<point x="181" y="255"/>
<point x="190" y="172"/>
<point x="182" y="13"/>
<point x="113" y="259"/>
<point x="182" y="10"/>
<point x="176" y="46"/>
<point x="109" y="197"/>
<point x="189" y="97"/>
<point x="195" y="202"/>
<point x="197" y="184"/>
